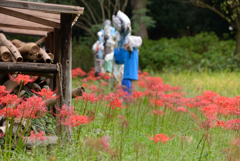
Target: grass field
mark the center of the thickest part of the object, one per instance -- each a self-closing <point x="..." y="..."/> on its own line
<point x="196" y="122"/>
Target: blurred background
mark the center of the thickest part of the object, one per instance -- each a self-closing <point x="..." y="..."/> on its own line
<point x="178" y="35"/>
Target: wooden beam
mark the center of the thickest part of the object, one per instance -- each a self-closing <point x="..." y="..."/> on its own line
<point x="23" y="31"/>
<point x="66" y="52"/>
<point x="28" y="67"/>
<point x="27" y="27"/>
<point x="54" y="8"/>
<point x="29" y="17"/>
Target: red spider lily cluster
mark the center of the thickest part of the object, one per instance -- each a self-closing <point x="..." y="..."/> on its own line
<point x="90" y="76"/>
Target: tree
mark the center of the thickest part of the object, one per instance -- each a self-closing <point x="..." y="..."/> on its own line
<point x="140" y="20"/>
<point x="229" y="10"/>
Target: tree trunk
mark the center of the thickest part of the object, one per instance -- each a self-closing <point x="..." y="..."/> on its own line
<point x="136" y="6"/>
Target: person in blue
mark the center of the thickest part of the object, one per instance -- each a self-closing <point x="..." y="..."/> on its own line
<point x="129" y="57"/>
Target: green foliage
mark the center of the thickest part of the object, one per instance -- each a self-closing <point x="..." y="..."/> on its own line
<point x="82" y="54"/>
<point x="204" y="51"/>
<point x="139" y="17"/>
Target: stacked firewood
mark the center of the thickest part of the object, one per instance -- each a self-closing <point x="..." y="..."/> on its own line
<point x="18" y="51"/>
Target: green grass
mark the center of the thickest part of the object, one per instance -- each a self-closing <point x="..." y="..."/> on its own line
<point x="136" y="145"/>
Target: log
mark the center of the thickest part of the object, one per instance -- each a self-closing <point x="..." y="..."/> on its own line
<point x="5" y="54"/>
<point x="40" y="40"/>
<point x="29" y="48"/>
<point x="10" y="85"/>
<point x="49" y="140"/>
<point x="51" y="56"/>
<point x="17" y="43"/>
<point x="11" y="47"/>
<point x="28" y="67"/>
<point x="34" y="86"/>
<point x="31" y="56"/>
<point x="77" y="92"/>
<point x="45" y="56"/>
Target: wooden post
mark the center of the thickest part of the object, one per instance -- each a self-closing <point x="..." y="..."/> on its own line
<point x="66" y="51"/>
<point x="57" y="54"/>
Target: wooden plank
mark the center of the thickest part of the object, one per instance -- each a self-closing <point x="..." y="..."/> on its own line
<point x="27" y="27"/>
<point x="29" y="17"/>
<point x="52" y="8"/>
<point x="23" y="31"/>
<point x="28" y="67"/>
<point x="66" y="53"/>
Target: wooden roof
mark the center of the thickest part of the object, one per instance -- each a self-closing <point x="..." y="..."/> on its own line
<point x="33" y="18"/>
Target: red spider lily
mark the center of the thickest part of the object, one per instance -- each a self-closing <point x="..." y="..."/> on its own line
<point x="100" y="144"/>
<point x="207" y="124"/>
<point x="194" y="116"/>
<point x="157" y="102"/>
<point x="37" y="136"/>
<point x="221" y="123"/>
<point x="77" y="120"/>
<point x="233" y="124"/>
<point x="65" y="113"/>
<point x="104" y="83"/>
<point x="24" y="78"/>
<point x="137" y="94"/>
<point x="160" y="137"/>
<point x="33" y="107"/>
<point x="116" y="103"/>
<point x="180" y="109"/>
<point x="88" y="97"/>
<point x="10" y="112"/>
<point x="141" y="84"/>
<point x="3" y="90"/>
<point x="46" y="93"/>
<point x="84" y="85"/>
<point x="159" y="112"/>
<point x="9" y="100"/>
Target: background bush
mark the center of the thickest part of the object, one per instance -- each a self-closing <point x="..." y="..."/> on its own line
<point x="203" y="52"/>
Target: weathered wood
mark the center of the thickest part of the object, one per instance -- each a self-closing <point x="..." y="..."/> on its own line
<point x="40" y="40"/>
<point x="10" y="85"/>
<point x="57" y="77"/>
<point x="23" y="32"/>
<point x="17" y="43"/>
<point x="5" y="54"/>
<point x="29" y="17"/>
<point x="11" y="47"/>
<point x="51" y="56"/>
<point x="49" y="29"/>
<point x="66" y="49"/>
<point x="28" y="67"/>
<point x="42" y="6"/>
<point x="45" y="56"/>
<point x="77" y="92"/>
<point x="29" y="48"/>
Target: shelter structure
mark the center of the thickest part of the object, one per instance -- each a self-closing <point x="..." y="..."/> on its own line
<point x="54" y="23"/>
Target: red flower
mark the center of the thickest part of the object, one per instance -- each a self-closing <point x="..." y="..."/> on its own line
<point x="9" y="99"/>
<point x="33" y="107"/>
<point x="24" y="78"/>
<point x="157" y="102"/>
<point x="10" y="112"/>
<point x="88" y="97"/>
<point x="159" y="112"/>
<point x="104" y="83"/>
<point x="77" y="120"/>
<point x="137" y="94"/>
<point x="180" y="109"/>
<point x="116" y="103"/>
<point x="37" y="136"/>
<point x="65" y="113"/>
<point x="160" y="137"/>
<point x="46" y="94"/>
